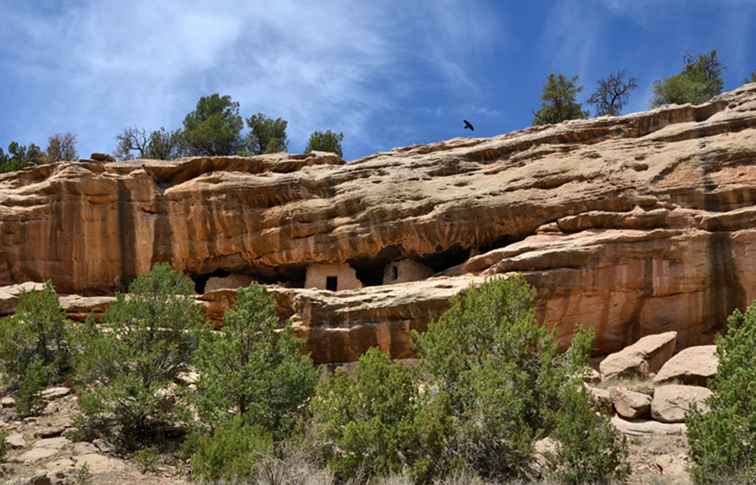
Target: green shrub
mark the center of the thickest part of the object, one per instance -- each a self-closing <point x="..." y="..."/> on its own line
<point x="558" y="101"/>
<point x="28" y="400"/>
<point x="231" y="452"/>
<point x="490" y="384"/>
<point x="723" y="440"/>
<point x="504" y="377"/>
<point x="147" y="459"/>
<point x="325" y="141"/>
<point x="130" y="360"/>
<point x="588" y="448"/>
<point x="699" y="81"/>
<point x="252" y="369"/>
<point x="365" y="420"/>
<point x="3" y="444"/>
<point x="34" y="346"/>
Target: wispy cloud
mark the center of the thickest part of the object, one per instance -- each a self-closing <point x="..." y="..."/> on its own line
<point x="102" y="66"/>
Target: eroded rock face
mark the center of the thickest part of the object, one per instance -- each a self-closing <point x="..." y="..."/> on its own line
<point x="633" y="225"/>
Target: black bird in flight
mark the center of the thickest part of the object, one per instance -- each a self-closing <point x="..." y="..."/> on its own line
<point x="468" y="126"/>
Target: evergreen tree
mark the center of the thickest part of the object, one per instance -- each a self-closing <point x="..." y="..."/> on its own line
<point x="164" y="145"/>
<point x="34" y="346"/>
<point x="267" y="135"/>
<point x="699" y="81"/>
<point x="214" y="127"/>
<point x="723" y="437"/>
<point x="251" y="368"/>
<point x="558" y="101"/>
<point x="325" y="141"/>
<point x="20" y="156"/>
<point x="128" y="361"/>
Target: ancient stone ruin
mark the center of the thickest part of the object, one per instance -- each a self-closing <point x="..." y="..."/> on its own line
<point x="634" y="225"/>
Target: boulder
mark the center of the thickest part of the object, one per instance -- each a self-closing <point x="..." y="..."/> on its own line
<point x="15" y="440"/>
<point x="52" y="443"/>
<point x="9" y="295"/>
<point x="630" y="404"/>
<point x="102" y="157"/>
<point x="646" y="428"/>
<point x="36" y="454"/>
<point x="97" y="463"/>
<point x="7" y="402"/>
<point x="601" y="398"/>
<point x="51" y="431"/>
<point x="672" y="402"/>
<point x="55" y="393"/>
<point x="84" y="448"/>
<point x="645" y="356"/>
<point x="692" y="366"/>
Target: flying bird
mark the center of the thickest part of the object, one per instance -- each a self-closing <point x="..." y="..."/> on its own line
<point x="468" y="126"/>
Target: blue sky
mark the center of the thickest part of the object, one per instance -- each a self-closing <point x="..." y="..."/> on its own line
<point x="386" y="73"/>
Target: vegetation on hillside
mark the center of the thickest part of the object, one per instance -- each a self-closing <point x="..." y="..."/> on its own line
<point x="723" y="439"/>
<point x="558" y="101"/>
<point x="491" y="383"/>
<point x="699" y="81"/>
<point x="35" y="347"/>
<point x="129" y="361"/>
<point x="325" y="141"/>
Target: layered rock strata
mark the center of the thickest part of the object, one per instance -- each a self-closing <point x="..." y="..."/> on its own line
<point x="634" y="225"/>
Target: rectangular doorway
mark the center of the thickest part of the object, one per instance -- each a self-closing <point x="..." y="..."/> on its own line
<point x="332" y="283"/>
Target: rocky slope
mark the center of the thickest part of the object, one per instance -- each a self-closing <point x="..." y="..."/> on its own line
<point x="634" y="225"/>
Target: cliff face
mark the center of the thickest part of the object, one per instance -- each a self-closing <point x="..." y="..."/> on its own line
<point x="634" y="225"/>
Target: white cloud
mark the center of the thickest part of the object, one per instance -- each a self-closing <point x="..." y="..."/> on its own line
<point x="328" y="64"/>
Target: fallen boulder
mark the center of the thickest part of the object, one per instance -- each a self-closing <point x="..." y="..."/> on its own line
<point x="630" y="404"/>
<point x="645" y="356"/>
<point x="672" y="402"/>
<point x="693" y="366"/>
<point x="644" y="428"/>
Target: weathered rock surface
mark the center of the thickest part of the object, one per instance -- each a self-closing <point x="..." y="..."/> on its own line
<point x="694" y="366"/>
<point x="634" y="225"/>
<point x="643" y="428"/>
<point x="630" y="404"/>
<point x="15" y="440"/>
<point x="9" y="295"/>
<point x="672" y="401"/>
<point x="645" y="356"/>
<point x="55" y="392"/>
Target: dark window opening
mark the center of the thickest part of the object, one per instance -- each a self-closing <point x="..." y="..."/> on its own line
<point x="396" y="272"/>
<point x="288" y="276"/>
<point x="445" y="259"/>
<point x="200" y="280"/>
<point x="332" y="283"/>
<point x="370" y="271"/>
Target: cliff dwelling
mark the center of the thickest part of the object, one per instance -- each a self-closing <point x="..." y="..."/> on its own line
<point x="405" y="270"/>
<point x="332" y="277"/>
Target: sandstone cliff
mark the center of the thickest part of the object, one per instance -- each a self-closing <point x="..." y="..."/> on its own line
<point x="634" y="225"/>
